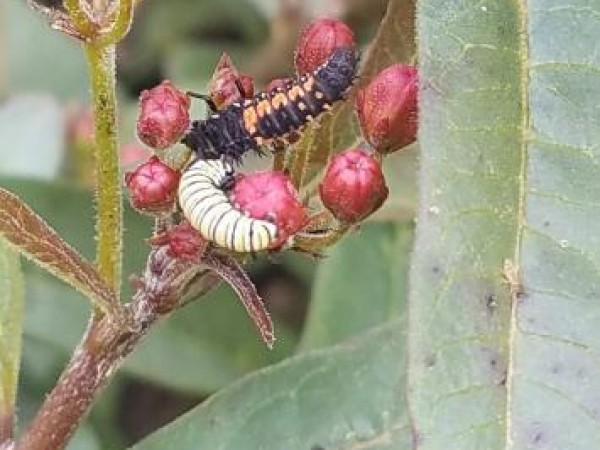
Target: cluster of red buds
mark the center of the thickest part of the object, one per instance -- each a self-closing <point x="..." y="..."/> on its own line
<point x="353" y="186"/>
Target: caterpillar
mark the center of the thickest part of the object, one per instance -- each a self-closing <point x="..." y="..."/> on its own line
<point x="273" y="115"/>
<point x="204" y="202"/>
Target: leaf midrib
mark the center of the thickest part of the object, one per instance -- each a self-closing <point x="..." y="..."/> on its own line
<point x="522" y="179"/>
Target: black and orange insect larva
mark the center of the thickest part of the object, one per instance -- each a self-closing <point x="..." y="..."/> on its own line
<point x="275" y="114"/>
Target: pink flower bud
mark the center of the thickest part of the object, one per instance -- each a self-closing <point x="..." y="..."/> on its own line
<point x="318" y="41"/>
<point x="353" y="186"/>
<point x="270" y="196"/>
<point x="153" y="186"/>
<point x="224" y="87"/>
<point x="164" y="115"/>
<point x="387" y="108"/>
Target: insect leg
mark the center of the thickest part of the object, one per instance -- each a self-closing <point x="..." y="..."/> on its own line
<point x="209" y="101"/>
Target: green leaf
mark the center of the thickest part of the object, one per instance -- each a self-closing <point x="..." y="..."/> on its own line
<point x="503" y="326"/>
<point x="343" y="306"/>
<point x="200" y="348"/>
<point x="346" y="396"/>
<point x="11" y="322"/>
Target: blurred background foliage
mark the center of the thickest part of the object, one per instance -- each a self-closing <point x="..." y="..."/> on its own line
<point x="45" y="158"/>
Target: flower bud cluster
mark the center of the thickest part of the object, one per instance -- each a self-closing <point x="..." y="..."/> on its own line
<point x="353" y="186"/>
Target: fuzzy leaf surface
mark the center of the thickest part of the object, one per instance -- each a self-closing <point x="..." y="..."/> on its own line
<point x="347" y="396"/>
<point x="505" y="281"/>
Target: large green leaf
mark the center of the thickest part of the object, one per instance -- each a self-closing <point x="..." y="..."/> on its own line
<point x="11" y="322"/>
<point x="344" y="305"/>
<point x="505" y="282"/>
<point x="346" y="396"/>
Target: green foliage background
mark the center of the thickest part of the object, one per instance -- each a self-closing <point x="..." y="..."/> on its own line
<point x="484" y="336"/>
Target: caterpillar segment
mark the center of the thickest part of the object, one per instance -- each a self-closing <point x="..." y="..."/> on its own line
<point x="204" y="202"/>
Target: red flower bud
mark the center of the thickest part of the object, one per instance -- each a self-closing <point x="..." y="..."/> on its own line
<point x="270" y="196"/>
<point x="153" y="186"/>
<point x="387" y="108"/>
<point x="164" y="115"/>
<point x="224" y="87"/>
<point x="353" y="186"/>
<point x="318" y="41"/>
<point x="183" y="241"/>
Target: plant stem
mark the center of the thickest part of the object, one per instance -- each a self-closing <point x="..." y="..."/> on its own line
<point x="89" y="370"/>
<point x="101" y="62"/>
<point x="107" y="342"/>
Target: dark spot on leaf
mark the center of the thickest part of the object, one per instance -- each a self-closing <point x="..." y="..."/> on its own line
<point x="581" y="373"/>
<point x="430" y="361"/>
<point x="491" y="302"/>
<point x="497" y="365"/>
<point x="539" y="436"/>
<point x="317" y="447"/>
<point x="555" y="369"/>
<point x="435" y="269"/>
<point x="546" y="223"/>
<point x="502" y="380"/>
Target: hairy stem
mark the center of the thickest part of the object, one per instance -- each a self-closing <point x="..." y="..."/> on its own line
<point x="101" y="62"/>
